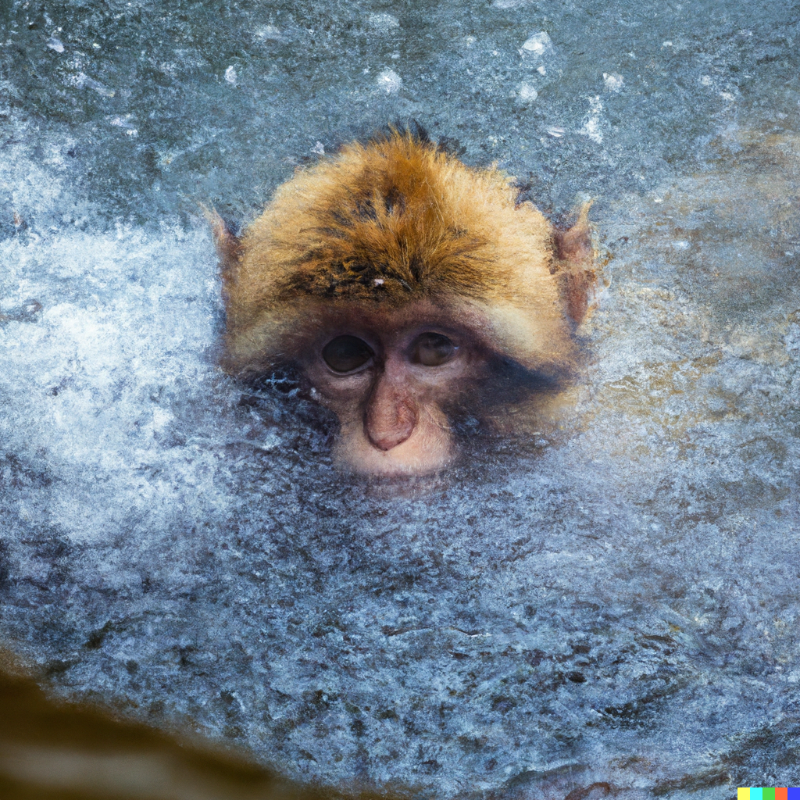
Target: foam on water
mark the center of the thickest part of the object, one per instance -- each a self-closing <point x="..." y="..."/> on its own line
<point x="613" y="602"/>
<point x="180" y="553"/>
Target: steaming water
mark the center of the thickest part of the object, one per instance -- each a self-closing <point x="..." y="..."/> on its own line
<point x="614" y="604"/>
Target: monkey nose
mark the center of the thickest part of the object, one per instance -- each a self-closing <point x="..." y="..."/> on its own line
<point x="390" y="419"/>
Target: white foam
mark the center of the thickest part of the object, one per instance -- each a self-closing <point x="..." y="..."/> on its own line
<point x="389" y="81"/>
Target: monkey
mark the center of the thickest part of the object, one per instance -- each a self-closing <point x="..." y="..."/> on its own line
<point x="397" y="279"/>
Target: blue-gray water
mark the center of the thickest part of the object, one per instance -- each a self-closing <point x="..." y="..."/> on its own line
<point x="615" y="604"/>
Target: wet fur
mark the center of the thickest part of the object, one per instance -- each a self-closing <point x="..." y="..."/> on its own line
<point x="395" y="221"/>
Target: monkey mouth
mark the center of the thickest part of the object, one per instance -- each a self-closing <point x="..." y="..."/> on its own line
<point x="423" y="452"/>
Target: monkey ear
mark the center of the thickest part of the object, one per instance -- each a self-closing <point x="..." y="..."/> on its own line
<point x="229" y="247"/>
<point x="574" y="266"/>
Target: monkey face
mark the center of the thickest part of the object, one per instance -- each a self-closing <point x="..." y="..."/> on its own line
<point x="411" y="290"/>
<point x="390" y="378"/>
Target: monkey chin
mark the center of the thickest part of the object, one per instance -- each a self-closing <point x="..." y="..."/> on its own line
<point x="429" y="449"/>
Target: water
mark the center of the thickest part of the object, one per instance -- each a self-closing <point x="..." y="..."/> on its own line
<point x="614" y="605"/>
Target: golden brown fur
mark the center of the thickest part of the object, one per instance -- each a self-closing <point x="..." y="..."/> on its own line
<point x="397" y="221"/>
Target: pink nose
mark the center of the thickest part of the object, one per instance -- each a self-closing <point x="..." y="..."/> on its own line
<point x="391" y="416"/>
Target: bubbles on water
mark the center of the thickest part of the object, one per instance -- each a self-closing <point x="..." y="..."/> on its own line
<point x="592" y="122"/>
<point x="178" y="542"/>
<point x="389" y="81"/>
<point x="539" y="44"/>
<point x="527" y="93"/>
<point x="383" y="22"/>
<point x="613" y="82"/>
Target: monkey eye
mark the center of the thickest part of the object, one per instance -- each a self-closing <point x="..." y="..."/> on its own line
<point x="432" y="349"/>
<point x="346" y="353"/>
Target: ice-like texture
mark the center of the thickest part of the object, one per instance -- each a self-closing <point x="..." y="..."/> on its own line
<point x="616" y="605"/>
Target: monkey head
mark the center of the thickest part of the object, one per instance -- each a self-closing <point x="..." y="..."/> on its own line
<point x="394" y="277"/>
